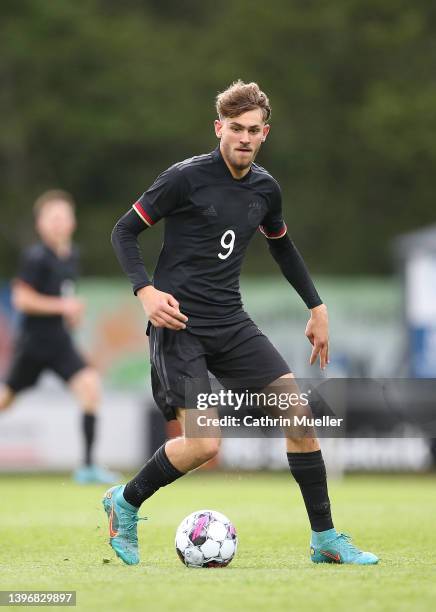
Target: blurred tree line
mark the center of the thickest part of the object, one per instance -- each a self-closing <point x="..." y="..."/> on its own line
<point x="99" y="96"/>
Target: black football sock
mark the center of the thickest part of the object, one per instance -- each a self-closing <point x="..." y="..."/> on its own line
<point x="156" y="473"/>
<point x="308" y="469"/>
<point x="89" y="435"/>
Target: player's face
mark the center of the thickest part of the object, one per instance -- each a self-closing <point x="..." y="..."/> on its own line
<point x="56" y="221"/>
<point x="241" y="138"/>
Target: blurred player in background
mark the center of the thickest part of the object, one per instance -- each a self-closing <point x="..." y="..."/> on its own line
<point x="44" y="293"/>
<point x="213" y="205"/>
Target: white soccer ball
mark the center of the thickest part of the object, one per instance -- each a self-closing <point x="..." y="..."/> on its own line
<point x="206" y="539"/>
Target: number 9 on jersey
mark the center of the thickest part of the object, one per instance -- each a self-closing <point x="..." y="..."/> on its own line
<point x="228" y="243"/>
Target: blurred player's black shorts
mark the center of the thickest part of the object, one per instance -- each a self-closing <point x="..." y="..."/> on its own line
<point x="33" y="355"/>
<point x="240" y="352"/>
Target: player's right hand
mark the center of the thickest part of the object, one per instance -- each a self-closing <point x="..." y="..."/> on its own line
<point x="162" y="309"/>
<point x="72" y="310"/>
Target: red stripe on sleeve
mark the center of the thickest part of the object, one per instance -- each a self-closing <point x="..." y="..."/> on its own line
<point x="273" y="235"/>
<point x="141" y="212"/>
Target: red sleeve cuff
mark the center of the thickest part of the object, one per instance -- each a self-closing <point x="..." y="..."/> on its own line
<point x="139" y="209"/>
<point x="274" y="235"/>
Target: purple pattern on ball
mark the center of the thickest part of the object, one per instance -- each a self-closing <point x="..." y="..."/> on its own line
<point x="202" y="521"/>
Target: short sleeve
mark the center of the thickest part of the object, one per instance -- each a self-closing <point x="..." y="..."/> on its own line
<point x="32" y="267"/>
<point x="273" y="225"/>
<point x="166" y="194"/>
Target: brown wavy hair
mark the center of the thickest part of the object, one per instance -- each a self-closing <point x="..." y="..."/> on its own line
<point x="241" y="97"/>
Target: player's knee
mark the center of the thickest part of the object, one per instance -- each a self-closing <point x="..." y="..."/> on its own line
<point x="207" y="448"/>
<point x="6" y="397"/>
<point x="92" y="389"/>
<point x="213" y="447"/>
<point x="87" y="387"/>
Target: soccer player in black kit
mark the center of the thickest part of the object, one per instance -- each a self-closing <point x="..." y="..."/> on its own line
<point x="212" y="205"/>
<point x="44" y="293"/>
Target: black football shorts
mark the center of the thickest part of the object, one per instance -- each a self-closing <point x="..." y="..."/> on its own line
<point x="240" y="353"/>
<point x="32" y="357"/>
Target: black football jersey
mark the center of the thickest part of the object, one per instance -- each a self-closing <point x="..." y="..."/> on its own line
<point x="51" y="275"/>
<point x="210" y="218"/>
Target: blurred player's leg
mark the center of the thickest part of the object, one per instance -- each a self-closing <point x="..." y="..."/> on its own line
<point x="171" y="461"/>
<point x="7" y="396"/>
<point x="86" y="387"/>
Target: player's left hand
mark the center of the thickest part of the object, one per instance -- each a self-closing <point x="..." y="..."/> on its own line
<point x="317" y="331"/>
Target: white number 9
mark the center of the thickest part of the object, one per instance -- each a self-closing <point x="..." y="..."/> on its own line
<point x="227" y="242"/>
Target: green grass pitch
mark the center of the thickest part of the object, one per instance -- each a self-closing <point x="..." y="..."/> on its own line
<point x="53" y="535"/>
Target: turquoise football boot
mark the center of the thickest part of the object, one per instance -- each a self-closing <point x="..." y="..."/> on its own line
<point x="123" y="520"/>
<point x="93" y="474"/>
<point x="333" y="547"/>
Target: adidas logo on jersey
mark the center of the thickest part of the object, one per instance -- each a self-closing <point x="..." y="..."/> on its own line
<point x="209" y="212"/>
